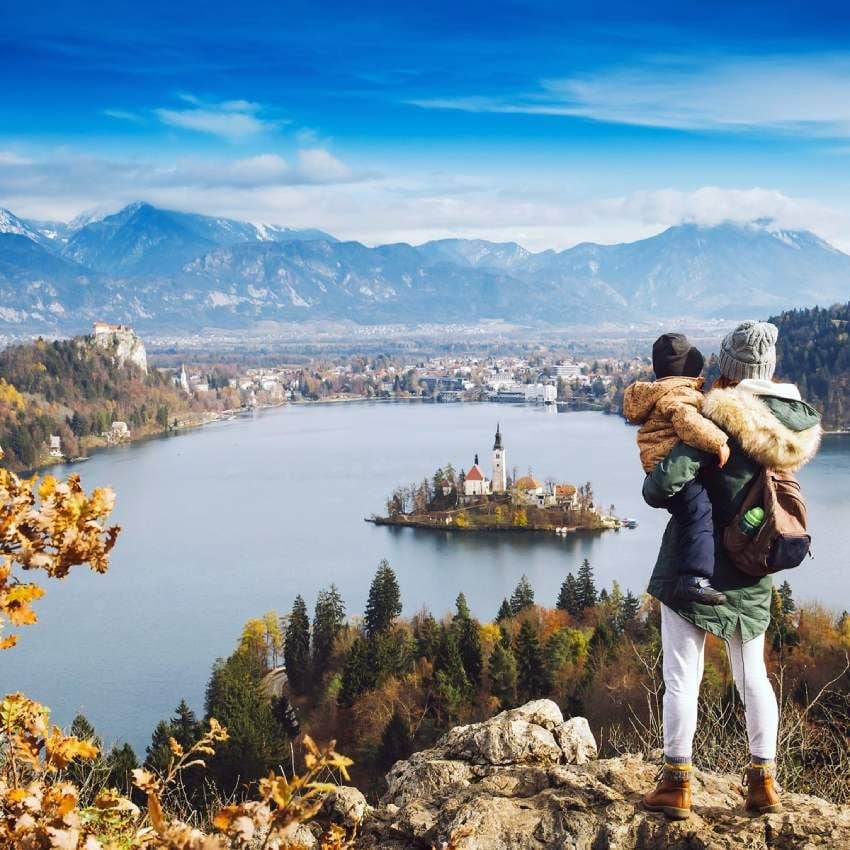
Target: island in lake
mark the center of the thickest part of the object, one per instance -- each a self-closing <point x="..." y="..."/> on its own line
<point x="470" y="501"/>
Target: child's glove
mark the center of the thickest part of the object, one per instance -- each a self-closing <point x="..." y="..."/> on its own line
<point x="722" y="455"/>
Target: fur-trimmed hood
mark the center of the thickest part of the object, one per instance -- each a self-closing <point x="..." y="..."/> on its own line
<point x="780" y="433"/>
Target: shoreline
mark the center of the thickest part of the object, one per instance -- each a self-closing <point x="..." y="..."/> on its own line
<point x="497" y="529"/>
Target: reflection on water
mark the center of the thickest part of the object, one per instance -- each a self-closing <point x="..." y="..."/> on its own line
<point x="235" y="519"/>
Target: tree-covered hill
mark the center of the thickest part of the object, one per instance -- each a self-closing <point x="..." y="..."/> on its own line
<point x="76" y="390"/>
<point x="813" y="351"/>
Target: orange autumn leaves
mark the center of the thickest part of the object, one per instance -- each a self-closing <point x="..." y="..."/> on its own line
<point x="52" y="527"/>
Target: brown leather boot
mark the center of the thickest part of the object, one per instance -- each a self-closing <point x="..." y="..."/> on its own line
<point x="672" y="794"/>
<point x="762" y="798"/>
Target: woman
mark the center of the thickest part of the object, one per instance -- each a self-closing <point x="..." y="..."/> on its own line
<point x="769" y="426"/>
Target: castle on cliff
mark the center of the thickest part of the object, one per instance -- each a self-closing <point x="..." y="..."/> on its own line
<point x="121" y="339"/>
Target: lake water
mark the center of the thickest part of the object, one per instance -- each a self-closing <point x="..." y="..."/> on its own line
<point x="227" y="522"/>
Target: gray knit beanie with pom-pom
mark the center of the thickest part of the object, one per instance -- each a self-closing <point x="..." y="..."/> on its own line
<point x="749" y="351"/>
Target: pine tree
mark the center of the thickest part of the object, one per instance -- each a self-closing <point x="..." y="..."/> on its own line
<point x="184" y="726"/>
<point x="426" y="634"/>
<point x="586" y="587"/>
<point x="79" y="770"/>
<point x="236" y="698"/>
<point x="384" y="603"/>
<point x="631" y="606"/>
<point x="296" y="646"/>
<point x="522" y="597"/>
<point x="503" y="675"/>
<point x="328" y="621"/>
<point x="158" y="754"/>
<point x="121" y="762"/>
<point x="788" y="604"/>
<point x="396" y="741"/>
<point x="355" y="674"/>
<point x="568" y="596"/>
<point x="450" y="664"/>
<point x="531" y="668"/>
<point x="469" y="641"/>
<point x="505" y="612"/>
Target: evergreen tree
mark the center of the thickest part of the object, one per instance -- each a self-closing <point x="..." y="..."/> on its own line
<point x="384" y="603"/>
<point x="788" y="604"/>
<point x="603" y="596"/>
<point x="184" y="726"/>
<point x="355" y="674"/>
<point x="120" y="763"/>
<point x="568" y="596"/>
<point x="396" y="741"/>
<point x="450" y="664"/>
<point x="522" y="597"/>
<point x="426" y="634"/>
<point x="469" y="641"/>
<point x="505" y="612"/>
<point x="236" y="698"/>
<point x="503" y="675"/>
<point x="158" y="754"/>
<point x="531" y="668"/>
<point x="630" y="609"/>
<point x="328" y="621"/>
<point x="586" y="587"/>
<point x="296" y="646"/>
<point x="79" y="770"/>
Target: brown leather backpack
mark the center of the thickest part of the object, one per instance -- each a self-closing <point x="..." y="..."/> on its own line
<point x="782" y="541"/>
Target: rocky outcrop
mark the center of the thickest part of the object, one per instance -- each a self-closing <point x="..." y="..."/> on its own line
<point x="528" y="780"/>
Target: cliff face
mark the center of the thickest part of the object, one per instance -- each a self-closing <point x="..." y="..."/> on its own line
<point x="527" y="780"/>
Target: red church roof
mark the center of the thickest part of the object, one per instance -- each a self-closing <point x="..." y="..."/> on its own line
<point x="475" y="474"/>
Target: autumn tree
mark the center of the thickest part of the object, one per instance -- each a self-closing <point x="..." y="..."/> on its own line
<point x="52" y="527"/>
<point x="384" y="602"/>
<point x="296" y="646"/>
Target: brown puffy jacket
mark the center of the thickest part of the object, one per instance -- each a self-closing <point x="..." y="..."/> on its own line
<point x="668" y="411"/>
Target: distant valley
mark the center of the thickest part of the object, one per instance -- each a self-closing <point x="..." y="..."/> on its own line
<point x="162" y="270"/>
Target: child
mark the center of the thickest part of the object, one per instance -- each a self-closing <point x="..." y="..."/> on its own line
<point x="668" y="411"/>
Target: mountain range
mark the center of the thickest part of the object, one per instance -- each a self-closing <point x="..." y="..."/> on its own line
<point x="175" y="271"/>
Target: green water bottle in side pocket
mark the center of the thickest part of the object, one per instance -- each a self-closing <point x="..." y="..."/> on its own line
<point x="751" y="521"/>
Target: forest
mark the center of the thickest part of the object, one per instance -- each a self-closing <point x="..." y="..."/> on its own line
<point x="813" y="351"/>
<point x="75" y="390"/>
<point x="383" y="686"/>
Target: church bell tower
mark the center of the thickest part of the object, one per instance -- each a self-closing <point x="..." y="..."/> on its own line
<point x="500" y="467"/>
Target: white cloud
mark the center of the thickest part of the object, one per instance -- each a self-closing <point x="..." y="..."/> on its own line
<point x="124" y="115"/>
<point x="234" y="120"/>
<point x="316" y="189"/>
<point x="806" y="94"/>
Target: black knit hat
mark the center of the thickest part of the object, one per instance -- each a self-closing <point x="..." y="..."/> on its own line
<point x="673" y="355"/>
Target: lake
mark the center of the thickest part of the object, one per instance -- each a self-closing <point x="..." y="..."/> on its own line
<point x="226" y="522"/>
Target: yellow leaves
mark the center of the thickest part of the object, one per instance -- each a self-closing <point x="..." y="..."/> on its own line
<point x="61" y="750"/>
<point x="51" y="526"/>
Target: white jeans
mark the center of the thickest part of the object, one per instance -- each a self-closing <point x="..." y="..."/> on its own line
<point x="683" y="646"/>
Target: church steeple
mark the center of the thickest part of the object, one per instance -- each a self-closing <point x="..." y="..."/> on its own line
<point x="500" y="473"/>
<point x="476" y="459"/>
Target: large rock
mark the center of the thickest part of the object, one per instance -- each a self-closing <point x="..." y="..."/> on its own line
<point x="528" y="780"/>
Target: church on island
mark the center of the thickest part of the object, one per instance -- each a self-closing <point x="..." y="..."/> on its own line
<point x="526" y="491"/>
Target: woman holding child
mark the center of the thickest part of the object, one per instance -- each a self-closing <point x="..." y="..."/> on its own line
<point x="764" y="425"/>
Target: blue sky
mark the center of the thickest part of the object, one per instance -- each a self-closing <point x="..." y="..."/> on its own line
<point x="546" y="123"/>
